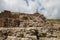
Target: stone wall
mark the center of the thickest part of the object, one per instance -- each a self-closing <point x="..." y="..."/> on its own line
<point x="26" y="27"/>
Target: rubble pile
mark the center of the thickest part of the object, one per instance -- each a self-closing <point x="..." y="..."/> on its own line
<point x="21" y="26"/>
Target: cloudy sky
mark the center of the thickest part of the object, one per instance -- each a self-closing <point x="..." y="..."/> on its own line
<point x="50" y="8"/>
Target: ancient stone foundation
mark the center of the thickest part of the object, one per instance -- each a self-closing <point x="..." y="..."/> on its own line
<point x="21" y="26"/>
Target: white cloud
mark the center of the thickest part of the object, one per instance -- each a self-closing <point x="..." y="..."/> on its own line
<point x="19" y="5"/>
<point x="52" y="8"/>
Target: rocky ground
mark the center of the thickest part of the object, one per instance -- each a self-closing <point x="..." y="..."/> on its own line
<point x="27" y="27"/>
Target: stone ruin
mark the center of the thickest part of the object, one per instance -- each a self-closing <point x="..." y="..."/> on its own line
<point x="21" y="26"/>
